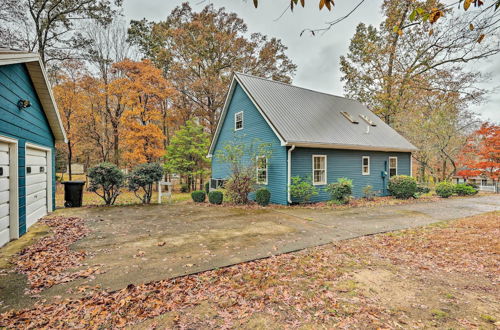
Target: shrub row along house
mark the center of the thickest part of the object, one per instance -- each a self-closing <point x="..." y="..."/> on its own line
<point x="316" y="136"/>
<point x="29" y="128"/>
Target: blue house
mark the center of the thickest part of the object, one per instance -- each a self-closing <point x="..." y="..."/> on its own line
<point x="312" y="135"/>
<point x="30" y="126"/>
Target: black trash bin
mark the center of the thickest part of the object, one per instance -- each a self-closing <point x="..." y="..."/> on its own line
<point x="73" y="193"/>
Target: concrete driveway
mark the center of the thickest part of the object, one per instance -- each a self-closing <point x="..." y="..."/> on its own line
<point x="138" y="244"/>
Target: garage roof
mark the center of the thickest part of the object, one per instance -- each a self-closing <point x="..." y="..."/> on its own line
<point x="42" y="86"/>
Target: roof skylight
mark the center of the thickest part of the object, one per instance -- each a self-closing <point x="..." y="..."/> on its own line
<point x="368" y="120"/>
<point x="349" y="117"/>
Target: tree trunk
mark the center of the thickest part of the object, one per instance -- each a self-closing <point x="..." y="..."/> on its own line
<point x="70" y="159"/>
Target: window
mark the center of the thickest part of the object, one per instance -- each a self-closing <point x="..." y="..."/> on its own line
<point x="261" y="169"/>
<point x="217" y="183"/>
<point x="238" y="120"/>
<point x="484" y="182"/>
<point x="319" y="169"/>
<point x="349" y="117"/>
<point x="365" y="165"/>
<point x="393" y="166"/>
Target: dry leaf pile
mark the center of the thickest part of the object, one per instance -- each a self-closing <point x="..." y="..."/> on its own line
<point x="48" y="261"/>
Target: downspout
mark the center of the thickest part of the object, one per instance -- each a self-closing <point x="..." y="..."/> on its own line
<point x="290" y="172"/>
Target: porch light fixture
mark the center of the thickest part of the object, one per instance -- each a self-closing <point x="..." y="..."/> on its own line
<point x="23" y="104"/>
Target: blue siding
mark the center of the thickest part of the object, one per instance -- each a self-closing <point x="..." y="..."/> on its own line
<point x="347" y="163"/>
<point x="255" y="129"/>
<point x="29" y="125"/>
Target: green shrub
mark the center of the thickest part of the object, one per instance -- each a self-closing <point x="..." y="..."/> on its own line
<point x="462" y="189"/>
<point x="340" y="191"/>
<point x="263" y="196"/>
<point x="215" y="197"/>
<point x="475" y="186"/>
<point x="198" y="196"/>
<point x="142" y="178"/>
<point x="423" y="189"/>
<point x="368" y="192"/>
<point x="444" y="189"/>
<point x="106" y="180"/>
<point x="402" y="186"/>
<point x="207" y="187"/>
<point x="184" y="188"/>
<point x="302" y="190"/>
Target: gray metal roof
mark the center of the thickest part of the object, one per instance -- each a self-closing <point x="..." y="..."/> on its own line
<point x="305" y="117"/>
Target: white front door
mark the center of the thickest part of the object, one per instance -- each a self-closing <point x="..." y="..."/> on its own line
<point x="4" y="193"/>
<point x="37" y="185"/>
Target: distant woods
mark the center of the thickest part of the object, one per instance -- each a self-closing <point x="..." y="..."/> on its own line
<point x="125" y="90"/>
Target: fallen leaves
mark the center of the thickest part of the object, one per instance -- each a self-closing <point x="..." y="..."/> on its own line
<point x="47" y="262"/>
<point x="305" y="288"/>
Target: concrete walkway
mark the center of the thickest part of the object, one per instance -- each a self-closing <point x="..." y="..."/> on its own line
<point x="139" y="244"/>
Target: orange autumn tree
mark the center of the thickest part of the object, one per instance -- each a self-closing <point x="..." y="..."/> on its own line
<point x="144" y="91"/>
<point x="482" y="153"/>
<point x="70" y="101"/>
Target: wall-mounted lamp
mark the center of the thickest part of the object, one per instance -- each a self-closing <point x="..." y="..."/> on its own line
<point x="22" y="104"/>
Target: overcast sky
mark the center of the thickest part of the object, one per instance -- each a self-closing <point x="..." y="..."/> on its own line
<point x="317" y="57"/>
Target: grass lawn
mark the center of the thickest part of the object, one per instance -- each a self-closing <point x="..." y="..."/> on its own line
<point x="444" y="275"/>
<point x="125" y="198"/>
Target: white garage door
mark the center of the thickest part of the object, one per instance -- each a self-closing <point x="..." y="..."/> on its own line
<point x="36" y="185"/>
<point x="4" y="193"/>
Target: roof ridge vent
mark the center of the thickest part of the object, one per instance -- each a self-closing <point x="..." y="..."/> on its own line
<point x="349" y="117"/>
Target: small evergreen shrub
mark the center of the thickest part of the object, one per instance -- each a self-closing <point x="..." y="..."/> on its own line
<point x="215" y="197"/>
<point x="340" y="191"/>
<point x="263" y="196"/>
<point x="368" y="192"/>
<point x="198" y="196"/>
<point x="184" y="188"/>
<point x="142" y="178"/>
<point x="462" y="189"/>
<point x="475" y="186"/>
<point x="302" y="190"/>
<point x="207" y="187"/>
<point x="106" y="180"/>
<point x="402" y="186"/>
<point x="423" y="189"/>
<point x="444" y="189"/>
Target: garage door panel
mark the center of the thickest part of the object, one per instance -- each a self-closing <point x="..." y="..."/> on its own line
<point x="36" y="187"/>
<point x="35" y="178"/>
<point x="5" y="171"/>
<point x="36" y="160"/>
<point x="4" y="210"/>
<point x="4" y="184"/>
<point x="4" y="196"/>
<point x="4" y="222"/>
<point x="4" y="158"/>
<point x="35" y="152"/>
<point x="39" y="195"/>
<point x="4" y="236"/>
<point x="34" y="216"/>
<point x="4" y="147"/>
<point x="30" y="208"/>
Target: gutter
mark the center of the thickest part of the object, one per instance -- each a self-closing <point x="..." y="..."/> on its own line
<point x="289" y="199"/>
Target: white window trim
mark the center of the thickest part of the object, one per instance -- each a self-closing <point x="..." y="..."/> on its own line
<point x="326" y="170"/>
<point x="257" y="170"/>
<point x="363" y="165"/>
<point x="242" y="121"/>
<point x="389" y="167"/>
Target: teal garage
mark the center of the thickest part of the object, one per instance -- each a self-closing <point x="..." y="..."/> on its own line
<point x="30" y="126"/>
